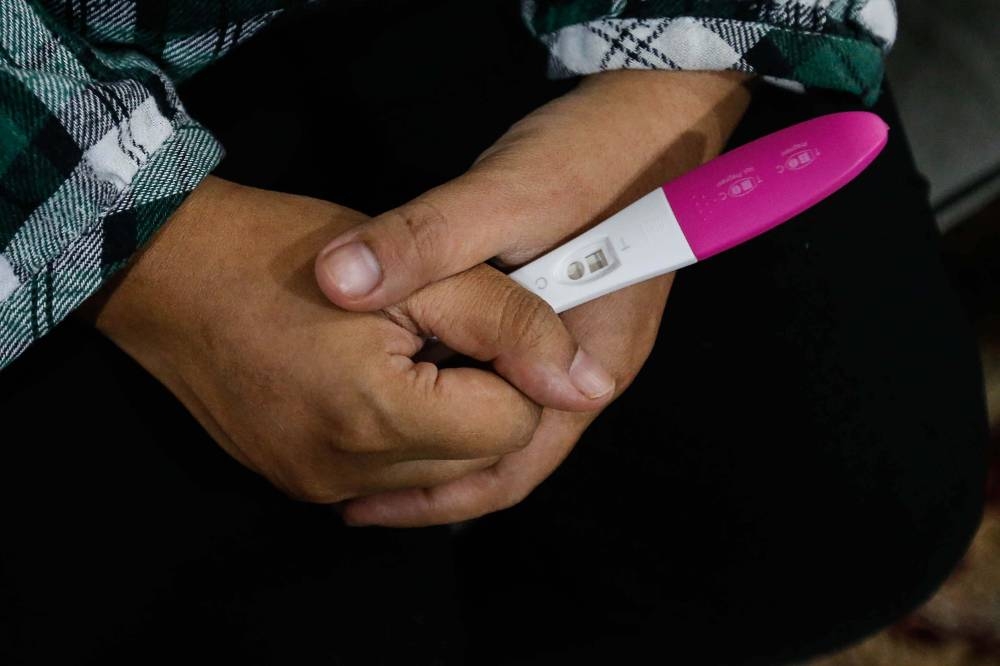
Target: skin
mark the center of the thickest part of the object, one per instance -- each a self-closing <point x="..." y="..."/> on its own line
<point x="329" y="405"/>
<point x="234" y="308"/>
<point x="567" y="166"/>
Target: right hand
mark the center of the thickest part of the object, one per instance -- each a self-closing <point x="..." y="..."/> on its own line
<point x="222" y="307"/>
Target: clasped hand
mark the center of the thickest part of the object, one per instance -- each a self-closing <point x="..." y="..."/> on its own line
<point x="302" y="368"/>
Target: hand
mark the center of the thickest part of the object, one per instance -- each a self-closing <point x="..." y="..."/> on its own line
<point x="564" y="168"/>
<point x="222" y="308"/>
<point x="621" y="329"/>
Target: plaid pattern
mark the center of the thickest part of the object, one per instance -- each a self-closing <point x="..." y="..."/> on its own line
<point x="838" y="44"/>
<point x="96" y="150"/>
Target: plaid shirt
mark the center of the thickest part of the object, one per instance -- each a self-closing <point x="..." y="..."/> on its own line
<point x="96" y="150"/>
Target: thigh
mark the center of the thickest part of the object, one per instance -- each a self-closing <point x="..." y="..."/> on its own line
<point x="800" y="462"/>
<point x="127" y="531"/>
<point x="130" y="537"/>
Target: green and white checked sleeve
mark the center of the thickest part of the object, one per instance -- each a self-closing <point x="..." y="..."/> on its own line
<point x="96" y="150"/>
<point x="833" y="44"/>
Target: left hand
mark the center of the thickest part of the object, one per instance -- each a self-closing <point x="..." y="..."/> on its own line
<point x="563" y="168"/>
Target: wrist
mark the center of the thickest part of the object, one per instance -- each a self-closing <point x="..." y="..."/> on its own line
<point x="664" y="123"/>
<point x="147" y="304"/>
<point x="685" y="117"/>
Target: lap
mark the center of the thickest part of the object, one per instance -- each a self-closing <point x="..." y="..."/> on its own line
<point x="802" y="451"/>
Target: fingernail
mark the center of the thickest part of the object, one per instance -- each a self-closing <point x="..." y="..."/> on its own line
<point x="354" y="269"/>
<point x="589" y="377"/>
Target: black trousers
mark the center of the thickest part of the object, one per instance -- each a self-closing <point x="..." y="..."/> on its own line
<point x="800" y="463"/>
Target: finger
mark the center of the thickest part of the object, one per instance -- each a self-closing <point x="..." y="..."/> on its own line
<point x="418" y="474"/>
<point x="452" y="414"/>
<point x="487" y="316"/>
<point x="556" y="170"/>
<point x="518" y="473"/>
<point x="359" y="477"/>
<point x="447" y="230"/>
<point x="621" y="328"/>
<point x="479" y="493"/>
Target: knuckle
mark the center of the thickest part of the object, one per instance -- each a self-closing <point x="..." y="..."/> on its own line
<point x="424" y="229"/>
<point x="363" y="432"/>
<point x="408" y="429"/>
<point x="363" y="406"/>
<point x="383" y="417"/>
<point x="366" y="437"/>
<point x="403" y="316"/>
<point x="388" y="421"/>
<point x="523" y="321"/>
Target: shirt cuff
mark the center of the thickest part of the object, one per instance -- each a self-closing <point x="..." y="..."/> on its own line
<point x="793" y="58"/>
<point x="118" y="197"/>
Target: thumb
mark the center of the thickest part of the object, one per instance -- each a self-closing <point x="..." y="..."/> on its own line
<point x="443" y="232"/>
<point x="575" y="159"/>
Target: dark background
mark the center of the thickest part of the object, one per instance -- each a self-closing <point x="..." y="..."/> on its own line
<point x="799" y="464"/>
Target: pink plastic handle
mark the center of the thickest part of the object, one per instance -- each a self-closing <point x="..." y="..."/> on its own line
<point x="756" y="187"/>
